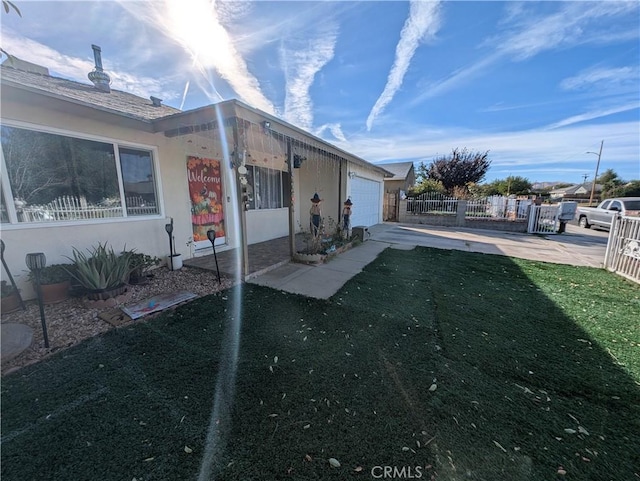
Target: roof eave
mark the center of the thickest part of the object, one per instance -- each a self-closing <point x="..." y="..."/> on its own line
<point x="202" y="115"/>
<point x="146" y="122"/>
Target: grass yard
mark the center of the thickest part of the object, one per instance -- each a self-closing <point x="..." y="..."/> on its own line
<point x="443" y="364"/>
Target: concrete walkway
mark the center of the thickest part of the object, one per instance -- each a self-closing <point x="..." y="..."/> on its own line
<point x="575" y="247"/>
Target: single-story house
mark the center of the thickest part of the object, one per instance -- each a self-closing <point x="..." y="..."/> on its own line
<point x="84" y="164"/>
<point x="576" y="191"/>
<point x="404" y="176"/>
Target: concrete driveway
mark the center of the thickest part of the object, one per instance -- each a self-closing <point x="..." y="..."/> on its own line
<point x="577" y="246"/>
<point x="580" y="247"/>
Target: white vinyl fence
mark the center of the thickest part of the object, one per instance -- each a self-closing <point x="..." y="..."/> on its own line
<point x="495" y="207"/>
<point x="623" y="248"/>
<point x="432" y="203"/>
<point x="67" y="208"/>
<point x="543" y="219"/>
<point x="498" y="207"/>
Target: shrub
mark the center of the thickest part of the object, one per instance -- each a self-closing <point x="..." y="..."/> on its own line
<point x="53" y="274"/>
<point x="102" y="269"/>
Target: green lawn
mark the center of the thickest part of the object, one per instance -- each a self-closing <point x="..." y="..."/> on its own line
<point x="449" y="365"/>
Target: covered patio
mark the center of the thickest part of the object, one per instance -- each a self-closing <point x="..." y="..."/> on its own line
<point x="263" y="256"/>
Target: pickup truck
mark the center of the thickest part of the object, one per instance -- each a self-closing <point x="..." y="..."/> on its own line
<point x="602" y="215"/>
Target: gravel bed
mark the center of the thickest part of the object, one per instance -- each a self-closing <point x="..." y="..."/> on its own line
<point x="71" y="321"/>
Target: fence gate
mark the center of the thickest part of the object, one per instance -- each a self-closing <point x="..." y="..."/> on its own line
<point x="623" y="249"/>
<point x="390" y="207"/>
<point x="543" y="219"/>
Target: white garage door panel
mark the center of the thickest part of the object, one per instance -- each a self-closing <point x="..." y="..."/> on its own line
<point x="365" y="195"/>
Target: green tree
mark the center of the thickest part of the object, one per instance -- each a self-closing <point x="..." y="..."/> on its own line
<point x="630" y="189"/>
<point x="459" y="169"/>
<point x="514" y="184"/>
<point x="610" y="182"/>
<point x="427" y="185"/>
<point x="609" y="176"/>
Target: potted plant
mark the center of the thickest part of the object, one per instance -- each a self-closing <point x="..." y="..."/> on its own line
<point x="10" y="298"/>
<point x="55" y="281"/>
<point x="140" y="266"/>
<point x="102" y="273"/>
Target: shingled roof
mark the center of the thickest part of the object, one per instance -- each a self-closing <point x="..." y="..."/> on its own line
<point x="400" y="170"/>
<point x="116" y="101"/>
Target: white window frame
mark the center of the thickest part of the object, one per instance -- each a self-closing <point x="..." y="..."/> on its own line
<point x="14" y="224"/>
<point x="253" y="177"/>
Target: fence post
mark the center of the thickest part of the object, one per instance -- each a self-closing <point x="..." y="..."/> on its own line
<point x="610" y="241"/>
<point x="461" y="212"/>
<point x="402" y="210"/>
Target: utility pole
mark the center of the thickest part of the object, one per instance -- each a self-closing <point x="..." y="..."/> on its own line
<point x="584" y="178"/>
<point x="593" y="185"/>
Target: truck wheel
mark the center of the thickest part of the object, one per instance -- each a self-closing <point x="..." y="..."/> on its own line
<point x="584" y="223"/>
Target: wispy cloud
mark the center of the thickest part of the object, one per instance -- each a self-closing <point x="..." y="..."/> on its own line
<point x="559" y="152"/>
<point x="529" y="34"/>
<point x="423" y="22"/>
<point x="301" y="66"/>
<point x="335" y="129"/>
<point x="74" y="68"/>
<point x="603" y="77"/>
<point x="594" y="114"/>
<point x="198" y="29"/>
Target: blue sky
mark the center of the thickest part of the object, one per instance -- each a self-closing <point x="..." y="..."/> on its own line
<point x="538" y="84"/>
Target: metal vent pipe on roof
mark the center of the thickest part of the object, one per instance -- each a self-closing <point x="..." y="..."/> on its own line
<point x="99" y="77"/>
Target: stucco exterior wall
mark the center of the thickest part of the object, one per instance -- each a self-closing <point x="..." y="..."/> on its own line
<point x="394" y="185"/>
<point x="321" y="175"/>
<point x="144" y="234"/>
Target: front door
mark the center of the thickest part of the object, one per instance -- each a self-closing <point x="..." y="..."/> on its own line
<point x="205" y="192"/>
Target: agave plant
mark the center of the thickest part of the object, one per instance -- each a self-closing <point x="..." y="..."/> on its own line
<point x="101" y="269"/>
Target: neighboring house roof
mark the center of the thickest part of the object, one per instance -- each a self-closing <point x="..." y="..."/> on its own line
<point x="576" y="189"/>
<point x="400" y="170"/>
<point x="122" y="103"/>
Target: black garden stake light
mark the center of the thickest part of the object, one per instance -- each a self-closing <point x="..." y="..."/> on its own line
<point x="36" y="262"/>
<point x="211" y="235"/>
<point x="6" y="269"/>
<point x="169" y="229"/>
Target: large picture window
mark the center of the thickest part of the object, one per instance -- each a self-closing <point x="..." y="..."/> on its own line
<point x="52" y="177"/>
<point x="268" y="188"/>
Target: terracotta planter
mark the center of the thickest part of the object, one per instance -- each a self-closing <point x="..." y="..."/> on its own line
<point x="54" y="293"/>
<point x="10" y="303"/>
<point x="103" y="294"/>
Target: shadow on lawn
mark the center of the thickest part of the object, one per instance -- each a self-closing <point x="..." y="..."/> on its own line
<point x="449" y="365"/>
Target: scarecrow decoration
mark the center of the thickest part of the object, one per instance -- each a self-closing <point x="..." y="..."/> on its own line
<point x="346" y="216"/>
<point x="316" y="214"/>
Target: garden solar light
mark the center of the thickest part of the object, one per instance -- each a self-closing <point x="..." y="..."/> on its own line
<point x="211" y="235"/>
<point x="169" y="228"/>
<point x="36" y="261"/>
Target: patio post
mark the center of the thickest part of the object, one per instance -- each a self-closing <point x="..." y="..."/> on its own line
<point x="292" y="230"/>
<point x="244" y="248"/>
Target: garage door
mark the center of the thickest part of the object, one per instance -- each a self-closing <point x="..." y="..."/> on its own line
<point x="365" y="195"/>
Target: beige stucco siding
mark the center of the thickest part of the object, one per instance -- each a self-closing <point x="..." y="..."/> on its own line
<point x="146" y="234"/>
